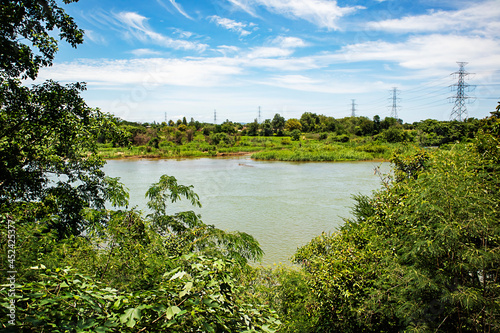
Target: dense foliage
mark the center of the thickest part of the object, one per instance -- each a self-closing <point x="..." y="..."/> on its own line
<point x="421" y="255"/>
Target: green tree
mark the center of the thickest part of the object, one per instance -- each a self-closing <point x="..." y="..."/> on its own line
<point x="278" y="123"/>
<point x="253" y="128"/>
<point x="394" y="134"/>
<point x="228" y="127"/>
<point x="292" y="124"/>
<point x="376" y="124"/>
<point x="49" y="169"/>
<point x="328" y="124"/>
<point x="27" y="25"/>
<point x="309" y="121"/>
<point x="389" y="122"/>
<point x="48" y="154"/>
<point x="267" y="128"/>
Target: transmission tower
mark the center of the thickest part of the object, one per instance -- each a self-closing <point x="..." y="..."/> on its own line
<point x="353" y="108"/>
<point x="459" y="111"/>
<point x="215" y="117"/>
<point x="259" y="114"/>
<point x="395" y="100"/>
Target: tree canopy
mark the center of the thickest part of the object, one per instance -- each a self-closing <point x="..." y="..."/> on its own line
<point x="25" y="35"/>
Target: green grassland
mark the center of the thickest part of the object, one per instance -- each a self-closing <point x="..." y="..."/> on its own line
<point x="279" y="148"/>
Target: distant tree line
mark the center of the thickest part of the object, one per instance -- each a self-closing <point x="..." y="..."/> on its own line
<point x="428" y="132"/>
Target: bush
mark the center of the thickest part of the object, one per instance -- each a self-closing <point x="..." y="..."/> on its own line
<point x="340" y="138"/>
<point x="395" y="134"/>
<point x="295" y="134"/>
<point x="220" y="138"/>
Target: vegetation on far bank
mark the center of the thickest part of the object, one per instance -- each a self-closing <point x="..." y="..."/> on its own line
<point x="310" y="138"/>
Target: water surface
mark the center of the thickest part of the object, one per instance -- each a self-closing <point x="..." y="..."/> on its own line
<point x="282" y="204"/>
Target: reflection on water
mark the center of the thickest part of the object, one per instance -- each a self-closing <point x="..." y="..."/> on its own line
<point x="282" y="204"/>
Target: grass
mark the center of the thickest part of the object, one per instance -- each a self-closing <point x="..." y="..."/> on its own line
<point x="263" y="148"/>
<point x="302" y="155"/>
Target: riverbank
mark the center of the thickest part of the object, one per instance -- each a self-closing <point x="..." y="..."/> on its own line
<point x="262" y="148"/>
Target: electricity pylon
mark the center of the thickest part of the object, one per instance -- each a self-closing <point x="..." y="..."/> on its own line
<point x="459" y="111"/>
<point x="395" y="100"/>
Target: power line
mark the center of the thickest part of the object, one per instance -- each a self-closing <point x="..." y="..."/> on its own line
<point x="431" y="94"/>
<point x="427" y="85"/>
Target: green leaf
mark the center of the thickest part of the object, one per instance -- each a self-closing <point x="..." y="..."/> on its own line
<point x="187" y="288"/>
<point x="172" y="311"/>
<point x="178" y="275"/>
<point x="130" y="316"/>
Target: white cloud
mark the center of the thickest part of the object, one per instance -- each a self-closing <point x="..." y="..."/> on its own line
<point x="180" y="9"/>
<point x="426" y="52"/>
<point x="323" y="13"/>
<point x="478" y="18"/>
<point x="95" y="37"/>
<point x="144" y="52"/>
<point x="289" y="42"/>
<point x="231" y="25"/>
<point x="138" y="28"/>
<point x="226" y="49"/>
<point x="282" y="48"/>
<point x="182" y="33"/>
<point x="269" y="52"/>
<point x="320" y="85"/>
<point x="176" y="6"/>
<point x="296" y="79"/>
<point x="284" y="64"/>
<point x="244" y="6"/>
<point x="194" y="72"/>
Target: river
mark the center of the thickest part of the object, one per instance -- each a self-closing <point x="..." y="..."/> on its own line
<point x="283" y="204"/>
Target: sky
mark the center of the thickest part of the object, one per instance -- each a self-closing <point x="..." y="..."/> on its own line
<point x="150" y="60"/>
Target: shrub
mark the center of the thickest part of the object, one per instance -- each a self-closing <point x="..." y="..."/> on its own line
<point x="295" y="135"/>
<point x="340" y="138"/>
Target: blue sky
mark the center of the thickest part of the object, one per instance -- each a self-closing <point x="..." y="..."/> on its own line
<point x="187" y="58"/>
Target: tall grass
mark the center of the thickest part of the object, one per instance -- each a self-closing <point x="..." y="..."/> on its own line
<point x="302" y="155"/>
<point x="264" y="148"/>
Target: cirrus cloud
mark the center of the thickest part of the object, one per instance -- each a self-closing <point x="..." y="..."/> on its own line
<point x="137" y="27"/>
<point x="478" y="18"/>
<point x="322" y="13"/>
<point x="231" y="25"/>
